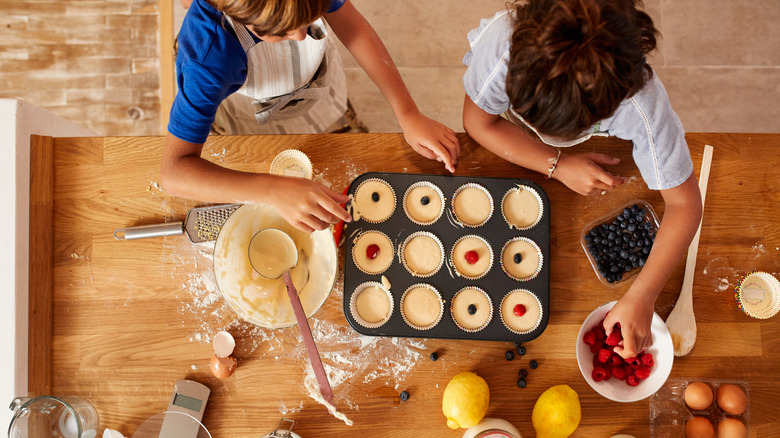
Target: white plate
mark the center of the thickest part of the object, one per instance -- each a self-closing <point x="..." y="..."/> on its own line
<point x="618" y="390"/>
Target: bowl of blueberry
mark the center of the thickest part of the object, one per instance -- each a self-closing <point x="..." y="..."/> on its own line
<point x="618" y="244"/>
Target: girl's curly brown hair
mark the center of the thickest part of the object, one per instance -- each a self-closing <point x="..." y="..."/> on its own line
<point x="273" y="17"/>
<point x="573" y="61"/>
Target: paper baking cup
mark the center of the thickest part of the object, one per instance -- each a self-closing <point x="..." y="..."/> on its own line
<point x="490" y="315"/>
<point x="441" y="306"/>
<point x="362" y="215"/>
<point x="538" y="251"/>
<point x="452" y="257"/>
<point x="538" y="321"/>
<point x="758" y="294"/>
<point x="292" y="162"/>
<point x="402" y="251"/>
<point x="355" y="246"/>
<point x="538" y="200"/>
<point x="435" y="189"/>
<point x="353" y="300"/>
<point x="455" y="213"/>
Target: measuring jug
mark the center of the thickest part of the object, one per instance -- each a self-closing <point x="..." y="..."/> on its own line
<point x="53" y="417"/>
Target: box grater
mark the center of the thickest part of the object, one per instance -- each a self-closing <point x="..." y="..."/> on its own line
<point x="202" y="224"/>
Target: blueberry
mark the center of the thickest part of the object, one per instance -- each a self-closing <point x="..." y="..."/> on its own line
<point x="627" y="268"/>
<point x="647" y="225"/>
<point x="589" y="238"/>
<point x="523" y="373"/>
<point x="611" y="235"/>
<point x="425" y="200"/>
<point x="624" y="254"/>
<point x="521" y="351"/>
<point x="472" y="309"/>
<point x="521" y="383"/>
<point x="614" y="268"/>
<point x="642" y="261"/>
<point x="434" y="357"/>
<point x="509" y="355"/>
<point x="533" y="364"/>
<point x="632" y="244"/>
<point x="405" y="395"/>
<point x="626" y="238"/>
<point x="618" y="276"/>
<point x="518" y="258"/>
<point x="623" y="225"/>
<point x="517" y="343"/>
<point x="375" y="197"/>
<point x="646" y="250"/>
<point x="631" y="227"/>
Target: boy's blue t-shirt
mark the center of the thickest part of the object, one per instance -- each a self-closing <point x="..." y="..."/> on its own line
<point x="646" y="118"/>
<point x="210" y="66"/>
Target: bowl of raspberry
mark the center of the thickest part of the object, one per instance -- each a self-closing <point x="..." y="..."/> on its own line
<point x="615" y="377"/>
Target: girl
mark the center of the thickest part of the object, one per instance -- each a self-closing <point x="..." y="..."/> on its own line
<point x="269" y="66"/>
<point x="562" y="71"/>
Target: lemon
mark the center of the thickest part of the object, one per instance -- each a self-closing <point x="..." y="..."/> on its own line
<point x="465" y="400"/>
<point x="556" y="412"/>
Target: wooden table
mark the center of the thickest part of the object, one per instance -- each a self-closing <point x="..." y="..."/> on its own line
<point x="125" y="319"/>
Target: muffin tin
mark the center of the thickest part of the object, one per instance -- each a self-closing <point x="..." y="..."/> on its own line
<point x="496" y="283"/>
<point x="669" y="413"/>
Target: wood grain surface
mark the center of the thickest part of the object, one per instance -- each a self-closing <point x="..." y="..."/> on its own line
<point x="132" y="317"/>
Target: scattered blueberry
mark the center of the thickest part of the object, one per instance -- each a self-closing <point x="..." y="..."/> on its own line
<point x="509" y="355"/>
<point x="521" y="351"/>
<point x="518" y="257"/>
<point x="517" y="343"/>
<point x="405" y="395"/>
<point x="472" y="309"/>
<point x="521" y="383"/>
<point x="523" y="373"/>
<point x="375" y="197"/>
<point x="434" y="356"/>
<point x="533" y="364"/>
<point x="425" y="200"/>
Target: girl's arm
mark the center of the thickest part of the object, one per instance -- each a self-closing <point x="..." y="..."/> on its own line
<point x="305" y="204"/>
<point x="579" y="172"/>
<point x="428" y="137"/>
<point x="634" y="311"/>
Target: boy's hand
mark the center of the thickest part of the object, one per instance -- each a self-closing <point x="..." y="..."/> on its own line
<point x="635" y="318"/>
<point x="583" y="173"/>
<point x="431" y="139"/>
<point x="307" y="205"/>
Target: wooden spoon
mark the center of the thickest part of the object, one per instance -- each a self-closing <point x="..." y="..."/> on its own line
<point x="681" y="321"/>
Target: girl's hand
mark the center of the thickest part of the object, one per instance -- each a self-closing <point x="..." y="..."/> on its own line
<point x="635" y="317"/>
<point x="431" y="139"/>
<point x="583" y="173"/>
<point x="305" y="204"/>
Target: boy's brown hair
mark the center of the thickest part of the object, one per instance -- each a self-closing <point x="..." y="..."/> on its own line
<point x="273" y="17"/>
<point x="573" y="61"/>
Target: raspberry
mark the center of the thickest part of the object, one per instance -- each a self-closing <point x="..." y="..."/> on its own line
<point x="634" y="362"/>
<point x="596" y="347"/>
<point x="647" y="360"/>
<point x="629" y="371"/>
<point x="619" y="373"/>
<point x="519" y="310"/>
<point x="614" y="338"/>
<point x="598" y="374"/>
<point x="372" y="251"/>
<point x="589" y="338"/>
<point x="642" y="373"/>
<point x="632" y="380"/>
<point x="608" y="373"/>
<point x="599" y="331"/>
<point x="604" y="355"/>
<point x="471" y="257"/>
<point x="616" y="360"/>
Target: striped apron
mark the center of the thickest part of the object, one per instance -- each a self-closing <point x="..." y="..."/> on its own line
<point x="292" y="87"/>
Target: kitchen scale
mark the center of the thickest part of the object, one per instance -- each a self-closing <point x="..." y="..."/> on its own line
<point x="183" y="417"/>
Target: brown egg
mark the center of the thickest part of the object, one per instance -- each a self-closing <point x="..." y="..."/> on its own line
<point x="732" y="399"/>
<point x="698" y="396"/>
<point x="731" y="428"/>
<point x="699" y="427"/>
<point x="223" y="367"/>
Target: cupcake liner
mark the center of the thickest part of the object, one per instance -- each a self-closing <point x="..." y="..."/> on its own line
<point x="756" y="300"/>
<point x="356" y="205"/>
<point x="452" y="257"/>
<point x="538" y="200"/>
<point x="402" y="255"/>
<point x="490" y="314"/>
<point x="403" y="313"/>
<point x="438" y="192"/>
<point x="455" y="213"/>
<point x="353" y="300"/>
<point x="292" y="162"/>
<point x="538" y="321"/>
<point x="538" y="252"/>
<point x="355" y="247"/>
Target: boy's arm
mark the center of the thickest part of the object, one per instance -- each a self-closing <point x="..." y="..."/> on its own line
<point x="428" y="137"/>
<point x="634" y="311"/>
<point x="580" y="172"/>
<point x="184" y="173"/>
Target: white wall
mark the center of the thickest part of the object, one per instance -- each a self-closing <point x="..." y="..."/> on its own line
<point x="18" y="120"/>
